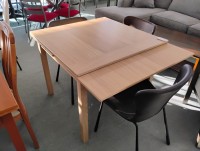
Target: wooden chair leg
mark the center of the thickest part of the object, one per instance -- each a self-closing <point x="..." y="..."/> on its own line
<point x="11" y="127"/>
<point x="30" y="130"/>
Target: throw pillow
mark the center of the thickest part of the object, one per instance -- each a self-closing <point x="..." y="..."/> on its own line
<point x="125" y="3"/>
<point x="162" y="3"/>
<point x="144" y="3"/>
<point x="187" y="7"/>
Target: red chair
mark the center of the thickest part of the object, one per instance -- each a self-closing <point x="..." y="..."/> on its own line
<point x="35" y="12"/>
<point x="67" y="10"/>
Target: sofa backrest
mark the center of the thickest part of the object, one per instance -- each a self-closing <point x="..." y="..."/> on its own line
<point x="162" y="3"/>
<point x="125" y="3"/>
<point x="157" y="3"/>
<point x="187" y="7"/>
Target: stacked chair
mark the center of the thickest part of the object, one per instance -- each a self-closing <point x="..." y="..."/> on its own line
<point x="34" y="11"/>
<point x="68" y="9"/>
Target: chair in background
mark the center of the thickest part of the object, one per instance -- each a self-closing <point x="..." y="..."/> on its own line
<point x="143" y="101"/>
<point x="9" y="69"/>
<point x="140" y="24"/>
<point x="20" y="68"/>
<point x="64" y="22"/>
<point x="68" y="9"/>
<point x="35" y="12"/>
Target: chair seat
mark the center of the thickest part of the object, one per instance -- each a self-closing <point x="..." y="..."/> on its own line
<point x="64" y="12"/>
<point x="45" y="8"/>
<point x="64" y="5"/>
<point x="50" y="6"/>
<point x="40" y="18"/>
<point x="123" y="103"/>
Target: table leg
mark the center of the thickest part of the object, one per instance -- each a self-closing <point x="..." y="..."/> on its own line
<point x="11" y="127"/>
<point x="45" y="65"/>
<point x="83" y="111"/>
<point x="192" y="83"/>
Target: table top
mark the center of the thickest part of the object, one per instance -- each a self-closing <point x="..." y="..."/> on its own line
<point x="112" y="79"/>
<point x="7" y="100"/>
<point x="87" y="46"/>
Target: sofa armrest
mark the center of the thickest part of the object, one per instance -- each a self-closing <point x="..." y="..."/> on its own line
<point x="125" y="3"/>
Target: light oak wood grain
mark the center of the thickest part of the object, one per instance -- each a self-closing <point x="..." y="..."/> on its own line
<point x="83" y="111"/>
<point x="112" y="79"/>
<point x="86" y="46"/>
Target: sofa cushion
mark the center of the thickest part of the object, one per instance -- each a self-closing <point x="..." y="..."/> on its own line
<point x="188" y="7"/>
<point x="144" y="3"/>
<point x="194" y="30"/>
<point x="119" y="13"/>
<point x="125" y="3"/>
<point x="174" y="20"/>
<point x="162" y="3"/>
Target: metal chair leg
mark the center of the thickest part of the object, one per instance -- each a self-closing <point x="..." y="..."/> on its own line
<point x="166" y="127"/>
<point x="58" y="71"/>
<point x="72" y="91"/>
<point x="20" y="68"/>
<point x="28" y="29"/>
<point x="98" y="117"/>
<point x="136" y="138"/>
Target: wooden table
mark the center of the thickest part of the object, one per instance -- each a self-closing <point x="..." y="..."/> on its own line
<point x="104" y="57"/>
<point x="7" y="105"/>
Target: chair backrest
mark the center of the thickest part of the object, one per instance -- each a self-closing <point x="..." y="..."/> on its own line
<point x="32" y="7"/>
<point x="8" y="54"/>
<point x="66" y="21"/>
<point x="140" y="24"/>
<point x="149" y="102"/>
<point x="9" y="59"/>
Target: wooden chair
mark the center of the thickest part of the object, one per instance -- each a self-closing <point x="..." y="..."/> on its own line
<point x="142" y="101"/>
<point x="64" y="22"/>
<point x="140" y="24"/>
<point x="10" y="72"/>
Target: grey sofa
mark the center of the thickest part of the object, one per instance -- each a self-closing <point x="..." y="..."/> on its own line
<point x="182" y="16"/>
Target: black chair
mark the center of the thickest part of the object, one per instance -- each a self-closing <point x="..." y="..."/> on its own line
<point x="65" y="22"/>
<point x="20" y="68"/>
<point x="143" y="101"/>
<point x="140" y="24"/>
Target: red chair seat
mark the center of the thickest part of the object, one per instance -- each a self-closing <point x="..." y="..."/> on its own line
<point x="64" y="5"/>
<point x="49" y="6"/>
<point x="64" y="12"/>
<point x="40" y="18"/>
<point x="37" y="9"/>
